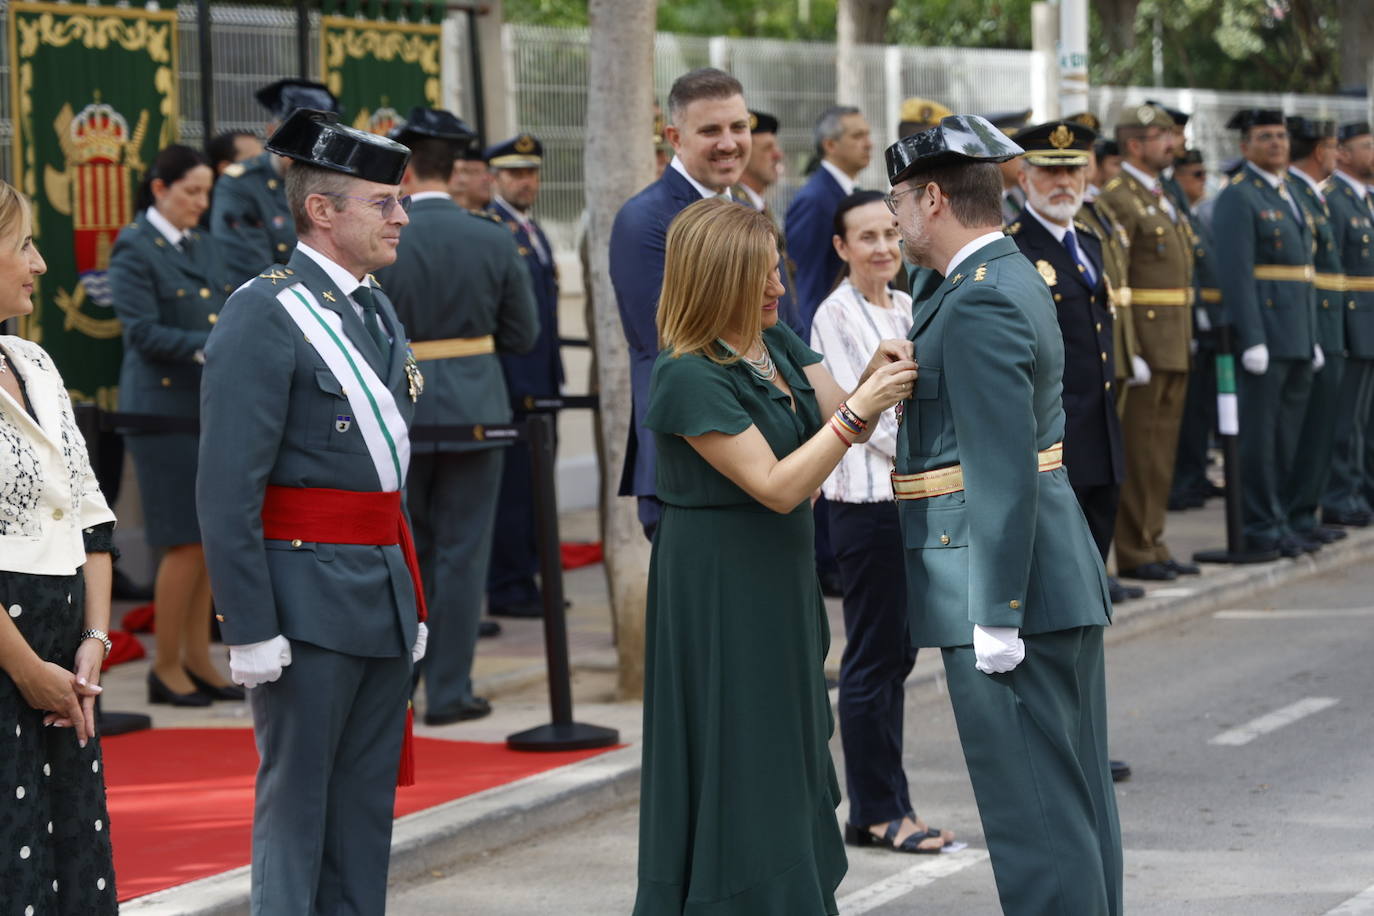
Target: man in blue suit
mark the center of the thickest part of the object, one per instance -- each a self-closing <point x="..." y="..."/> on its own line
<point x="709" y="130"/>
<point x="515" y="167"/>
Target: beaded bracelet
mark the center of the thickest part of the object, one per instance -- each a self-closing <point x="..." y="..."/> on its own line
<point x="835" y="428"/>
<point x="850" y="418"/>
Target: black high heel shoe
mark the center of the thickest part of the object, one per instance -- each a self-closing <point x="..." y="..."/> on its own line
<point x="158" y="692"/>
<point x="214" y="692"/>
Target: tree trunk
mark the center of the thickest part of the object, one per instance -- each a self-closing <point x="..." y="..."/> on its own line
<point x="857" y="22"/>
<point x="1118" y="23"/>
<point x="619" y="162"/>
<point x="1357" y="44"/>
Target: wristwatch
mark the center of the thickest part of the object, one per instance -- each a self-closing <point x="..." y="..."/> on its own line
<point x="101" y="635"/>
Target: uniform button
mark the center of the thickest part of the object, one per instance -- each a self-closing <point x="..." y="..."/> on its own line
<point x="1104" y="357"/>
<point x="57" y="515"/>
<point x="205" y="292"/>
<point x="944" y="539"/>
<point x="220" y="618"/>
<point x="1108" y="386"/>
<point x="1150" y="314"/>
<point x="272" y="183"/>
<point x="1159" y="230"/>
<point x="281" y="246"/>
<point x="1099" y="327"/>
<point x="296" y="542"/>
<point x="181" y="292"/>
<point x="166" y="383"/>
<point x="1058" y="297"/>
<point x="1325" y="304"/>
<point x="1013" y="604"/>
<point x="1269" y="302"/>
<point x="212" y="317"/>
<point x="1352" y="304"/>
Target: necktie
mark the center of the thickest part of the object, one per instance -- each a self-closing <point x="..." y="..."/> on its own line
<point x="1288" y="199"/>
<point x="1071" y="243"/>
<point x="363" y="296"/>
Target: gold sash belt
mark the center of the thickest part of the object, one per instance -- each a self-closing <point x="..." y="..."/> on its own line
<point x="1335" y="283"/>
<point x="1141" y="296"/>
<point x="1210" y="295"/>
<point x="452" y="346"/>
<point x="1295" y="273"/>
<point x="941" y="481"/>
<point x="1359" y="284"/>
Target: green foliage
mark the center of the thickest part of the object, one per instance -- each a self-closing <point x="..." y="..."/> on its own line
<point x="561" y="13"/>
<point x="961" y="23"/>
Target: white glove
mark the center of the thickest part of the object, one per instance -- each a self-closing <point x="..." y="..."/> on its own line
<point x="1202" y="321"/>
<point x="259" y="662"/>
<point x="1318" y="357"/>
<point x="417" y="651"/>
<point x="998" y="649"/>
<point x="1140" y="371"/>
<point x="1256" y="359"/>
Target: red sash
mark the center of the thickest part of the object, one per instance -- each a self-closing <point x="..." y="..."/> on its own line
<point x="324" y="516"/>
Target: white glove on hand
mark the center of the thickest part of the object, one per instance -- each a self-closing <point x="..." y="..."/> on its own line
<point x="259" y="662"/>
<point x="1318" y="357"/>
<point x="1256" y="359"/>
<point x="417" y="651"/>
<point x="1140" y="371"/>
<point x="1202" y="321"/>
<point x="998" y="649"/>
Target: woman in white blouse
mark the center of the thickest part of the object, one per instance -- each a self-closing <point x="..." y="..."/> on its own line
<point x="55" y="569"/>
<point x="878" y="655"/>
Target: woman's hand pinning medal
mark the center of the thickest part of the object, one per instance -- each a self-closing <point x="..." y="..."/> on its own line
<point x="889" y="378"/>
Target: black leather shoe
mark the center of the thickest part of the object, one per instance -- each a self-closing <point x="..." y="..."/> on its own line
<point x="1331" y="534"/>
<point x="518" y="609"/>
<point x="125" y="589"/>
<point x="488" y="628"/>
<point x="1120" y="593"/>
<point x="1180" y="501"/>
<point x="1321" y="535"/>
<point x="475" y="708"/>
<point x="159" y="692"/>
<point x="1152" y="572"/>
<point x="1183" y="569"/>
<point x="1286" y="546"/>
<point x="214" y="692"/>
<point x="1308" y="543"/>
<point x="1348" y="519"/>
<point x="1121" y="770"/>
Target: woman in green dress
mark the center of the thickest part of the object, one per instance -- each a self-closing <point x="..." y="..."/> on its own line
<point x="737" y="809"/>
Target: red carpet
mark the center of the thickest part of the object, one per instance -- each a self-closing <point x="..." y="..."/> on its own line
<point x="181" y="800"/>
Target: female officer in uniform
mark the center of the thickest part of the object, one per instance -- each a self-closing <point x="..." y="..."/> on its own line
<point x="169" y="284"/>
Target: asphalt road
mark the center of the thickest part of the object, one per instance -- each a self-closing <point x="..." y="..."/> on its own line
<point x="1250" y="732"/>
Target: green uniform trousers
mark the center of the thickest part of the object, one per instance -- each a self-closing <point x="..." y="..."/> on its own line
<point x="1345" y="489"/>
<point x="1307" y="478"/>
<point x="1035" y="741"/>
<point x="1150" y="430"/>
<point x="1271" y="410"/>
<point x="1195" y="428"/>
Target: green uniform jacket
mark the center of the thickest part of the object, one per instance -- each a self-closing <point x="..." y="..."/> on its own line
<point x="1205" y="283"/>
<point x="458" y="274"/>
<point x="1353" y="229"/>
<point x="1260" y="230"/>
<point x="1326" y="258"/>
<point x="250" y="219"/>
<point x="1160" y="258"/>
<point x="1012" y="549"/>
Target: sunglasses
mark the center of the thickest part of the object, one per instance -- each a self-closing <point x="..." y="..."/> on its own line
<point x="387" y="204"/>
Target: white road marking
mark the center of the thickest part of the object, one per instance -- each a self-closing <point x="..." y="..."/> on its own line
<point x="1294" y="614"/>
<point x="1360" y="904"/>
<point x="1244" y="734"/>
<point x="904" y="882"/>
<point x="1171" y="591"/>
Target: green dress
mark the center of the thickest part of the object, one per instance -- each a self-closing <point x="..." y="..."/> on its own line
<point x="738" y="796"/>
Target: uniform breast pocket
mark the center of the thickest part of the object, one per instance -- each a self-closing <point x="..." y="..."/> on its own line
<point x="332" y="424"/>
<point x="928" y="410"/>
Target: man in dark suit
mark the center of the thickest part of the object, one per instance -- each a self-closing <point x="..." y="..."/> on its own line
<point x="761" y="172"/>
<point x="462" y="292"/>
<point x="709" y="130"/>
<point x="515" y="168"/>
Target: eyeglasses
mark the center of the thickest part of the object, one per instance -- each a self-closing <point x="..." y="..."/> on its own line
<point x="891" y="199"/>
<point x="387" y="204"/>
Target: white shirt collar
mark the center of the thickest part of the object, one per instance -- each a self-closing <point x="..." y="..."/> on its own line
<point x="520" y="216"/>
<point x="1055" y="229"/>
<point x="681" y="169"/>
<point x="344" y="280"/>
<point x="846" y="183"/>
<point x="754" y="198"/>
<point x="1311" y="182"/>
<point x="1091" y="193"/>
<point x="162" y="224"/>
<point x="429" y="195"/>
<point x="1274" y="180"/>
<point x="1354" y="183"/>
<point x="971" y="248"/>
<point x="1151" y="182"/>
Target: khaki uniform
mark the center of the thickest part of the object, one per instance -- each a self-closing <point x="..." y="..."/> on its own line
<point x="1100" y="221"/>
<point x="1160" y="279"/>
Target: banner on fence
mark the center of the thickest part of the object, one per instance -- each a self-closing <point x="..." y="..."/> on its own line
<point x="379" y="70"/>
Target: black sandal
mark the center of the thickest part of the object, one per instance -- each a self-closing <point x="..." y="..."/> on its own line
<point x="862" y="836"/>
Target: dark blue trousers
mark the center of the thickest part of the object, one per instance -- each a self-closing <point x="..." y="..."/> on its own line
<point x="514" y="545"/>
<point x="878" y="656"/>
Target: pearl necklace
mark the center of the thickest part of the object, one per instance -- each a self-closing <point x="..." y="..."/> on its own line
<point x="763" y="367"/>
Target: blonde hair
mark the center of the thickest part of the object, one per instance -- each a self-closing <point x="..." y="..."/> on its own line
<point x="13" y="209"/>
<point x="718" y="258"/>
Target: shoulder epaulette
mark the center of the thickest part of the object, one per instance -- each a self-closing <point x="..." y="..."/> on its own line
<point x="1237" y="178"/>
<point x="1113" y="184"/>
<point x="981" y="273"/>
<point x="485" y="214"/>
<point x="234" y="170"/>
<point x="1013" y="228"/>
<point x="276" y="273"/>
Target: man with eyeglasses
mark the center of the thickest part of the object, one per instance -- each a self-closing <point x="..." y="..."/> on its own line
<point x="306" y="402"/>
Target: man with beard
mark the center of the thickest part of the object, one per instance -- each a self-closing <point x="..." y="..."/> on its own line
<point x="1160" y="278"/>
<point x="1002" y="571"/>
<point x="709" y="130"/>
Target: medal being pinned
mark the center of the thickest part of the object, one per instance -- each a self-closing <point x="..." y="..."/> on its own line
<point x="414" y="378"/>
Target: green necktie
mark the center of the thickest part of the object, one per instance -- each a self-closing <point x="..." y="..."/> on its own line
<point x="363" y="296"/>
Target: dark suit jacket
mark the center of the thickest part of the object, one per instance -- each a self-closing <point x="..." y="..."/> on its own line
<point x="1092" y="433"/>
<point x="810" y="225"/>
<point x="638" y="241"/>
<point x="538" y="373"/>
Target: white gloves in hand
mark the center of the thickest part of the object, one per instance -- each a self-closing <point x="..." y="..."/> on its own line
<point x="1256" y="359"/>
<point x="417" y="651"/>
<point x="1318" y="357"/>
<point x="998" y="649"/>
<point x="1140" y="371"/>
<point x="259" y="662"/>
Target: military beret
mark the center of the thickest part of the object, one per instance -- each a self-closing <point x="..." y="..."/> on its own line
<point x="1180" y="118"/>
<point x="317" y="138"/>
<point x="922" y="112"/>
<point x="520" y="152"/>
<point x="956" y="139"/>
<point x="285" y="96"/>
<point x="1087" y="119"/>
<point x="1056" y="143"/>
<point x="1352" y="130"/>
<point x="1301" y="128"/>
<point x="1247" y="118"/>
<point x="1189" y="157"/>
<point x="761" y="122"/>
<point x="1146" y="115"/>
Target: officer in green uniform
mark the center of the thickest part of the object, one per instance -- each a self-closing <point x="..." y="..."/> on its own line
<point x="463" y="293"/>
<point x="1352" y="223"/>
<point x="1264" y="260"/>
<point x="1312" y="146"/>
<point x="1002" y="572"/>
<point x="249" y="216"/>
<point x="1161" y="293"/>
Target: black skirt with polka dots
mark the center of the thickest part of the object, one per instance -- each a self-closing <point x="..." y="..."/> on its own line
<point x="55" y="855"/>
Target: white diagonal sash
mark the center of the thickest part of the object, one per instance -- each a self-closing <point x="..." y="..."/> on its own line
<point x="374" y="408"/>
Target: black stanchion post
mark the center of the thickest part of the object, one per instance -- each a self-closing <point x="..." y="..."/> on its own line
<point x="106" y="723"/>
<point x="563" y="734"/>
<point x="1228" y="436"/>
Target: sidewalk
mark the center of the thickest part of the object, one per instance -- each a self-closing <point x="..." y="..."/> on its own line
<point x="510" y="671"/>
